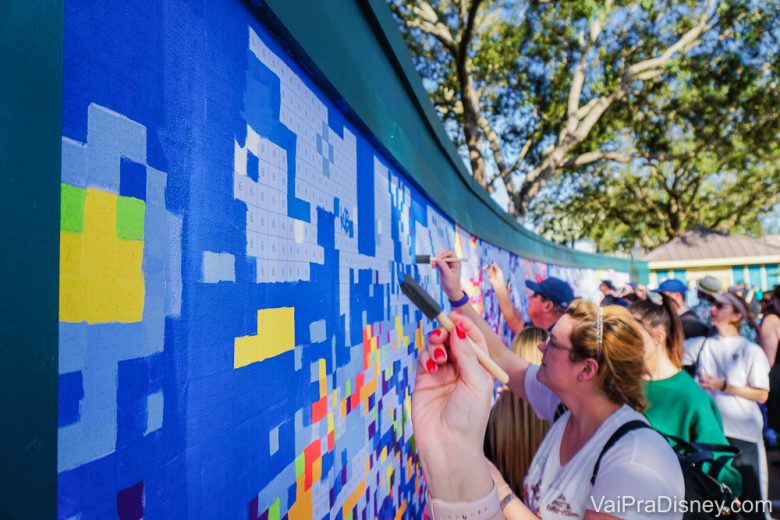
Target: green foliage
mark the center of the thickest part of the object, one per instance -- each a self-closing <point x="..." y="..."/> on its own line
<point x="695" y="136"/>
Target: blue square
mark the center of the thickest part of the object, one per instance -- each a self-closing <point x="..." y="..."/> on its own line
<point x="71" y="392"/>
<point x="252" y="166"/>
<point x="330" y="152"/>
<point x="325" y="167"/>
<point x="132" y="179"/>
<point x="319" y="143"/>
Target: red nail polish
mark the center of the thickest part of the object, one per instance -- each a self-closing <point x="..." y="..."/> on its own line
<point x="434" y="333"/>
<point x="430" y="365"/>
<point x="438" y="353"/>
<point x="461" y="330"/>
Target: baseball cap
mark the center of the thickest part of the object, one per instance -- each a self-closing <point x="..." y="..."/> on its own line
<point x="672" y="285"/>
<point x="554" y="289"/>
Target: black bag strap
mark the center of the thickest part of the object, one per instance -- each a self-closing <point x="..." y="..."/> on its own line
<point x="718" y="466"/>
<point x="698" y="452"/>
<point x="559" y="410"/>
<point x="624" y="429"/>
<point x="702" y="446"/>
<point x="698" y="356"/>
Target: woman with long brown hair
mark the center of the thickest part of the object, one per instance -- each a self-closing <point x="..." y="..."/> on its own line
<point x="514" y="432"/>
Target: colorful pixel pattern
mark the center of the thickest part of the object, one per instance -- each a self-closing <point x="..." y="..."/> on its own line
<point x="233" y="343"/>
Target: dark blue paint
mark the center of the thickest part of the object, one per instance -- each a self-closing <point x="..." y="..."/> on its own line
<point x="132" y="179"/>
<point x="71" y="392"/>
<point x="365" y="199"/>
<point x="252" y="166"/>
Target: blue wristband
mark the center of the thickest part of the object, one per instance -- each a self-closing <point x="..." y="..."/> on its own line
<point x="460" y="303"/>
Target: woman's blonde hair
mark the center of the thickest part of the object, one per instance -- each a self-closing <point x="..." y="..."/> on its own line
<point x="621" y="353"/>
<point x="514" y="433"/>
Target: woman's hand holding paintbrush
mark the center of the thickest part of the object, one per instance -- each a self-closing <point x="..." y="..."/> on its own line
<point x="450" y="408"/>
<point x="430" y="307"/>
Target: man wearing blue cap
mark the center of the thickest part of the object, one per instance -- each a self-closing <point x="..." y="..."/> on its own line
<point x="693" y="327"/>
<point x="549" y="300"/>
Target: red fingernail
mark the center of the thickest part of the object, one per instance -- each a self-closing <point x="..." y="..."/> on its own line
<point x="460" y="328"/>
<point x="430" y="365"/>
<point x="438" y="353"/>
<point x="434" y="333"/>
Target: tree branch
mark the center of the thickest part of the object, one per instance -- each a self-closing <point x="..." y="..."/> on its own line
<point x="685" y="42"/>
<point x="427" y="21"/>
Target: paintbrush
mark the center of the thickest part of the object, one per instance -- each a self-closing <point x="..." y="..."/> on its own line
<point x="428" y="306"/>
<point x="426" y="259"/>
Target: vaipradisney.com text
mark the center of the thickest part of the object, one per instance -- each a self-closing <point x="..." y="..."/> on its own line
<point x="664" y="504"/>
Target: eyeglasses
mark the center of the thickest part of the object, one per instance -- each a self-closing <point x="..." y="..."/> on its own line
<point x="549" y="342"/>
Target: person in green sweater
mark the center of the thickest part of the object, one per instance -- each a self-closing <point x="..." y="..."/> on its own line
<point x="677" y="404"/>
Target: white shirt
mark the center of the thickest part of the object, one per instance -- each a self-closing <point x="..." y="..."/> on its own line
<point x="641" y="466"/>
<point x="742" y="363"/>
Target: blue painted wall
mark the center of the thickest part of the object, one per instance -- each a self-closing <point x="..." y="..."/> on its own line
<point x="233" y="343"/>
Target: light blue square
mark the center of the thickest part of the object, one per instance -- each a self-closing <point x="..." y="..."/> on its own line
<point x="154" y="412"/>
<point x="273" y="440"/>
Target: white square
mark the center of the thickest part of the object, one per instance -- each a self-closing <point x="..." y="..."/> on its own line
<point x="263" y="171"/>
<point x="251" y="244"/>
<point x="299" y="231"/>
<point x="262" y="217"/>
<point x="239" y="186"/>
<point x="263" y="200"/>
<point x="252" y="223"/>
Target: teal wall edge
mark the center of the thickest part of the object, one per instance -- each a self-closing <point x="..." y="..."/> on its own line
<point x="387" y="98"/>
<point x="31" y="41"/>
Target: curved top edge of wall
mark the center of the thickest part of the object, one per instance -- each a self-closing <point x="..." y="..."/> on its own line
<point x="387" y="99"/>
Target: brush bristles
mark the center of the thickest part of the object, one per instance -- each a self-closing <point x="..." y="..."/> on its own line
<point x="419" y="297"/>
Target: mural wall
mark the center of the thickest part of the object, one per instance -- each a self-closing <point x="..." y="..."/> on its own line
<point x="233" y="343"/>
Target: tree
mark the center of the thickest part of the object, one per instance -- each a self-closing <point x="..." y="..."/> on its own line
<point x="704" y="151"/>
<point x="535" y="90"/>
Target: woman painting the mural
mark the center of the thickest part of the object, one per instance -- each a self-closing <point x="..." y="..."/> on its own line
<point x="593" y="363"/>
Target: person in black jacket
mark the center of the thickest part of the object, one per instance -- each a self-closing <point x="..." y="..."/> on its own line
<point x="693" y="327"/>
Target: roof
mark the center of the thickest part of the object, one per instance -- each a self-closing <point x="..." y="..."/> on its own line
<point x="702" y="243"/>
<point x="772" y="240"/>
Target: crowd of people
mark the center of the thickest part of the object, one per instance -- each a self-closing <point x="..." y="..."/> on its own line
<point x="604" y="401"/>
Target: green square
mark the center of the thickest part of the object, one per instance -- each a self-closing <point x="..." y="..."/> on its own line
<point x="72" y="208"/>
<point x="349" y="388"/>
<point x="130" y="218"/>
<point x="273" y="511"/>
<point x="299" y="466"/>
